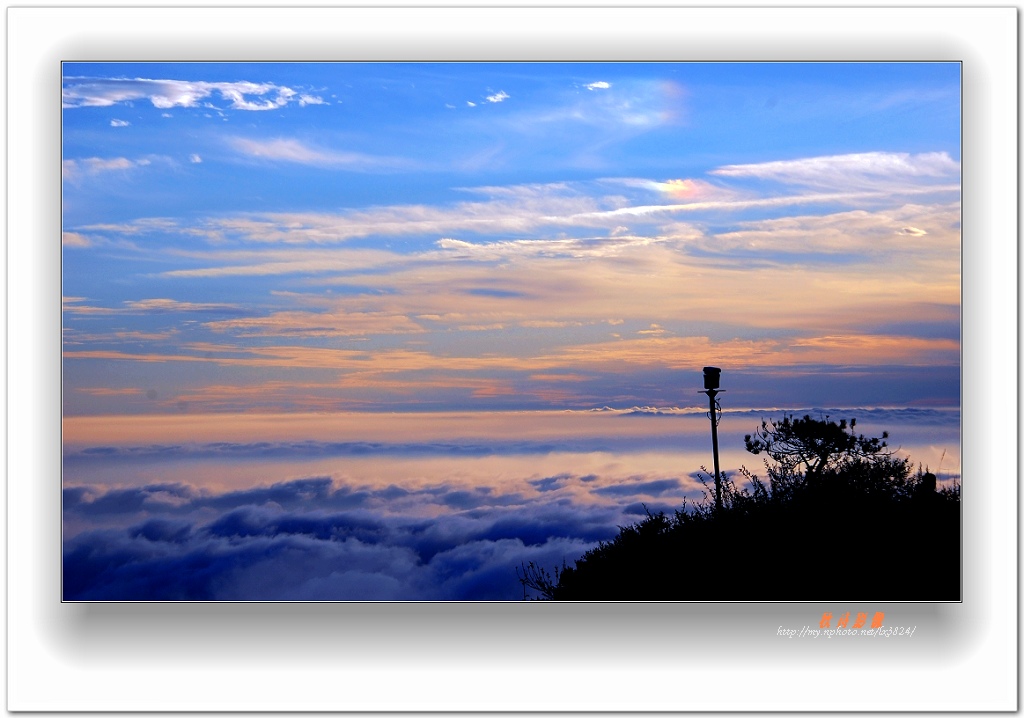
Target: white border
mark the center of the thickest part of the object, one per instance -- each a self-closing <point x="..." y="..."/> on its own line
<point x="448" y="657"/>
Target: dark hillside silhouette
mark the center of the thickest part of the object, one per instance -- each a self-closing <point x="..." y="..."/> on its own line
<point x="839" y="517"/>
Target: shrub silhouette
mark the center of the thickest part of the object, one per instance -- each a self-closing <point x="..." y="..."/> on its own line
<point x="815" y="444"/>
<point x="839" y="518"/>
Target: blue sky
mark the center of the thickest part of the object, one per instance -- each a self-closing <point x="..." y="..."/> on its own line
<point x="400" y="236"/>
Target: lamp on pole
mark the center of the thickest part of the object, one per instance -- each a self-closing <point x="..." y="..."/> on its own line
<point x="712" y="375"/>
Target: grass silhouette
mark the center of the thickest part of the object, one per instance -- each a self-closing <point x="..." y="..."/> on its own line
<point x="839" y="517"/>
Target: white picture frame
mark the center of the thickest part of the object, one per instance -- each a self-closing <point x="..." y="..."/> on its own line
<point x="514" y="656"/>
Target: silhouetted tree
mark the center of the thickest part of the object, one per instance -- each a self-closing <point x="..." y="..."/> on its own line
<point x="841" y="517"/>
<point x="814" y="444"/>
<point x="539" y="579"/>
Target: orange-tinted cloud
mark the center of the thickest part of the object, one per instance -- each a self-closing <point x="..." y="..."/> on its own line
<point x="317" y="324"/>
<point x="108" y="391"/>
<point x="614" y="356"/>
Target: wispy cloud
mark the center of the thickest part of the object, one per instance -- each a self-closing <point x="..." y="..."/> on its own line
<point x="853" y="170"/>
<point x="119" y="123"/>
<point x="75" y="308"/>
<point x="267" y="263"/>
<point x="578" y="248"/>
<point x="692" y="189"/>
<point x="517" y="210"/>
<point x="173" y="305"/>
<point x="627" y="108"/>
<point x="574" y="126"/>
<point x="274" y="262"/>
<point x="292" y="150"/>
<point x="109" y="391"/>
<point x="75" y="169"/>
<point x="73" y="239"/>
<point x="863" y="350"/>
<point x="164" y="94"/>
<point x="507" y="210"/>
<point x="141" y="226"/>
<point x="499" y="96"/>
<point x="318" y="324"/>
<point x="765" y="202"/>
<point x="912" y="231"/>
<point x="856" y="233"/>
<point x="76" y="305"/>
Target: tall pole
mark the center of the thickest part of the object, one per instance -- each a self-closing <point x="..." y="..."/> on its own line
<point x="714" y="448"/>
<point x="711" y="380"/>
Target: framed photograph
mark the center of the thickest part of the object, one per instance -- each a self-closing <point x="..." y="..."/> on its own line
<point x="498" y="342"/>
<point x="440" y="331"/>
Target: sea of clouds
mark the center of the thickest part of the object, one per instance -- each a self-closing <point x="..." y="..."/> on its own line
<point x="313" y="539"/>
<point x="339" y="535"/>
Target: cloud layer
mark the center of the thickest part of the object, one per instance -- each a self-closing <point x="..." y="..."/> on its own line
<point x="853" y="170"/>
<point x="310" y="539"/>
<point x="437" y="519"/>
